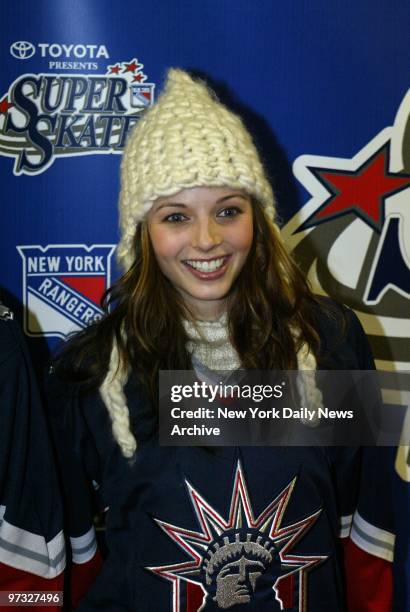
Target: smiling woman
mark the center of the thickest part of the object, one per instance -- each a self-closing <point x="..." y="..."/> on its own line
<point x="207" y="286"/>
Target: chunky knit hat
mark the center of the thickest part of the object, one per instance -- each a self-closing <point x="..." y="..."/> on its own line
<point x="187" y="139"/>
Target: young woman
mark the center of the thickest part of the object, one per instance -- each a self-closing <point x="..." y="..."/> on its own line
<point x="207" y="285"/>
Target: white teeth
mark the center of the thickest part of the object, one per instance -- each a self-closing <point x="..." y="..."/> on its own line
<point x="206" y="266"/>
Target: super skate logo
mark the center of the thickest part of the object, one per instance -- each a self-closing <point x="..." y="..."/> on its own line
<point x="45" y="116"/>
<point x="63" y="286"/>
<point x="352" y="237"/>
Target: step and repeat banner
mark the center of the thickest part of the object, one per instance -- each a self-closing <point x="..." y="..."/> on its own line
<point x="324" y="88"/>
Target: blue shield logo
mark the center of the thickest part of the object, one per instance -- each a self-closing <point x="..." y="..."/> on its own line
<point x="63" y="286"/>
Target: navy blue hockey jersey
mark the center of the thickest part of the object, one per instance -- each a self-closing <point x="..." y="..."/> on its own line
<point x="192" y="529"/>
<point x="32" y="548"/>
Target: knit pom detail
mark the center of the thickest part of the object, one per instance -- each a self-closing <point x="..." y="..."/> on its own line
<point x="112" y="393"/>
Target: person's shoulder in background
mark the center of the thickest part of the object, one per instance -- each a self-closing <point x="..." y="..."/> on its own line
<point x="343" y="341"/>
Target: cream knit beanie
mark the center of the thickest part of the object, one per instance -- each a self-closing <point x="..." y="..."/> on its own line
<point x="187" y="139"/>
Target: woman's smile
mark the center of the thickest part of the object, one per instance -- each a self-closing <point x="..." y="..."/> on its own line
<point x="208" y="269"/>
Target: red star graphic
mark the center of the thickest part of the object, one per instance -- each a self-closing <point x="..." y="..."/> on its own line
<point x="5" y="105"/>
<point x="138" y="77"/>
<point x="114" y="69"/>
<point x="362" y="191"/>
<point x="131" y="67"/>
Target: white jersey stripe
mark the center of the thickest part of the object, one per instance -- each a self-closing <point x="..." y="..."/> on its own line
<point x="371" y="539"/>
<point x="345" y="525"/>
<point x="84" y="547"/>
<point x="31" y="552"/>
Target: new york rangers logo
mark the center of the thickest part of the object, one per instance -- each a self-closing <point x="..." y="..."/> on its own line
<point x="63" y="286"/>
<point x="352" y="237"/>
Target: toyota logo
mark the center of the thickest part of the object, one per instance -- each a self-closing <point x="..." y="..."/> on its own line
<point x="22" y="49"/>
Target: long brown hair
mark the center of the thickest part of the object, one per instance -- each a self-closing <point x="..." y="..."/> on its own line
<point x="270" y="315"/>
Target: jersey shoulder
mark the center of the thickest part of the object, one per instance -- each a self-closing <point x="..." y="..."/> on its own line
<point x="343" y="341"/>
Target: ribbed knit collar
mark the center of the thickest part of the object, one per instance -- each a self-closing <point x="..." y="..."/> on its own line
<point x="210" y="345"/>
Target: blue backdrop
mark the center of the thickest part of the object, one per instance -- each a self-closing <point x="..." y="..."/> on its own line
<point x="323" y="87"/>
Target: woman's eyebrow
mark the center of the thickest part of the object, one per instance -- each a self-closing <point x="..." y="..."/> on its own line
<point x="181" y="205"/>
<point x="170" y="204"/>
<point x="233" y="195"/>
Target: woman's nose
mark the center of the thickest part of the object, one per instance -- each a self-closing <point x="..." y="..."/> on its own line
<point x="206" y="234"/>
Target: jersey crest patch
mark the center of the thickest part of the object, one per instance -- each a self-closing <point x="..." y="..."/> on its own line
<point x="240" y="558"/>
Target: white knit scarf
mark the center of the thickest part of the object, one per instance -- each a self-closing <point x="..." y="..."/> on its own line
<point x="210" y="349"/>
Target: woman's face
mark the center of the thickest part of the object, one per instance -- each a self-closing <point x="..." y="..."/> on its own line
<point x="201" y="238"/>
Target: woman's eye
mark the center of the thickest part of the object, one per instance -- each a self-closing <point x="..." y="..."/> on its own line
<point x="232" y="211"/>
<point x="175" y="218"/>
